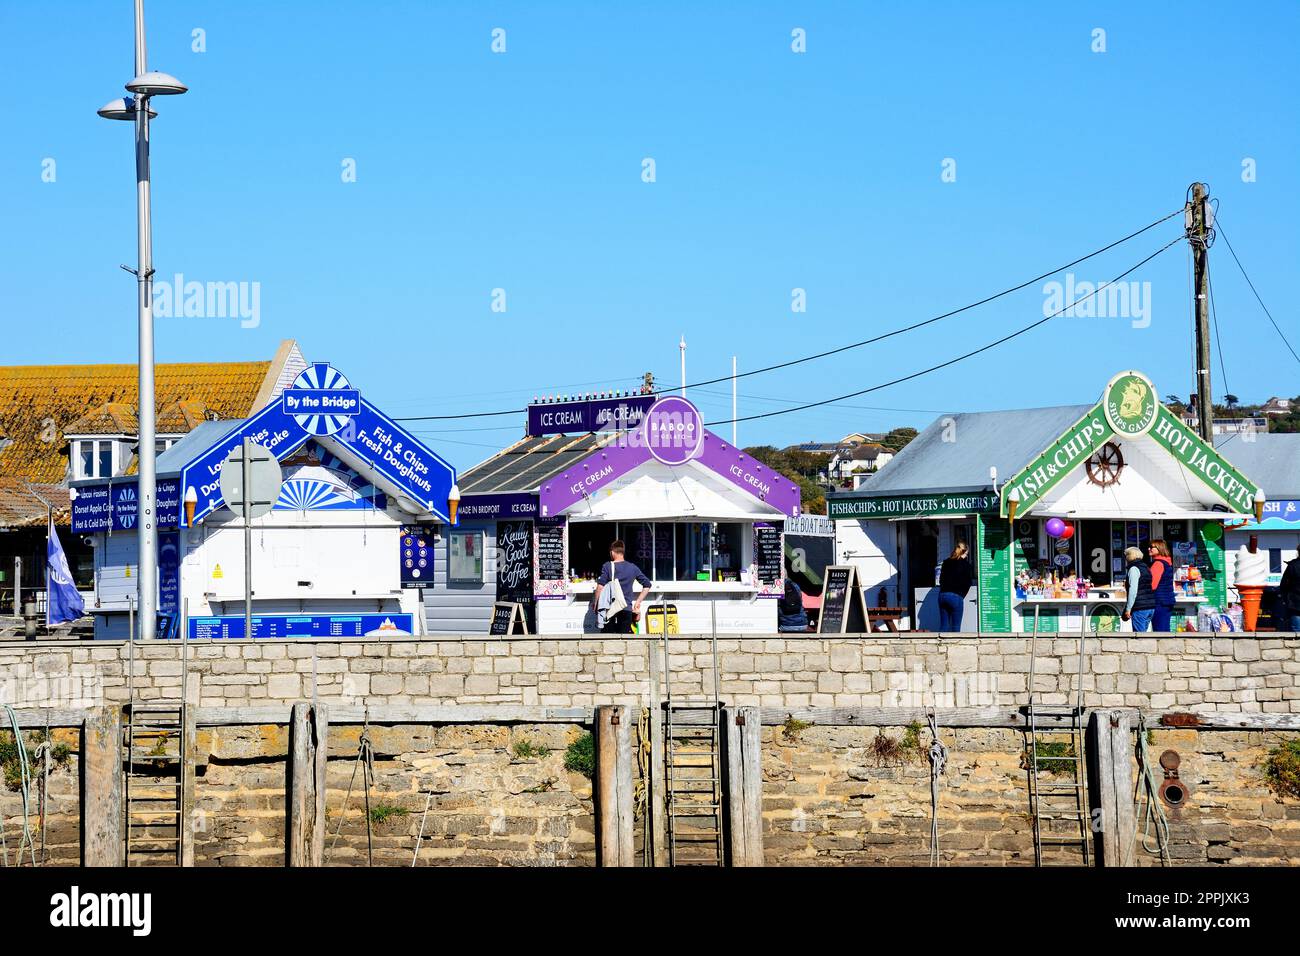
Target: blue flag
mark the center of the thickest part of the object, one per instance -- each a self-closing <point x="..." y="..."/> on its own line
<point x="65" y="603"/>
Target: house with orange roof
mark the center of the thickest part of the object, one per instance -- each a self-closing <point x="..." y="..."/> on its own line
<point x="62" y="423"/>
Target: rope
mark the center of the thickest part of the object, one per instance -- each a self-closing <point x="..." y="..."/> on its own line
<point x="419" y="837"/>
<point x="640" y="792"/>
<point x="1154" y="821"/>
<point x="938" y="762"/>
<point x="365" y="758"/>
<point x="28" y="841"/>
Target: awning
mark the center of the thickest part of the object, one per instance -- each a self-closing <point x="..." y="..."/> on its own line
<point x="1140" y="516"/>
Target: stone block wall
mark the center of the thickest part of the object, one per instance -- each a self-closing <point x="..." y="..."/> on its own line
<point x="1160" y="673"/>
<point x="58" y="842"/>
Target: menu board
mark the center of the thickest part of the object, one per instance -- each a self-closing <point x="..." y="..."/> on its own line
<point x="515" y="566"/>
<point x="843" y="610"/>
<point x="994" y="567"/>
<point x="416" y="557"/>
<point x="550" y="552"/>
<point x="507" y="619"/>
<point x="767" y="553"/>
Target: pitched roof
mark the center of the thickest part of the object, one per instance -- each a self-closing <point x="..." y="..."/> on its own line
<point x="955" y="451"/>
<point x="528" y="462"/>
<point x="1271" y="459"/>
<point x="21" y="508"/>
<point x="39" y="404"/>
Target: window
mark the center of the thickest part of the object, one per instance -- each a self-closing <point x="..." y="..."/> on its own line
<point x="86" y="467"/>
<point x="94" y="458"/>
<point x="105" y="460"/>
<point x="664" y="550"/>
<point x="465" y="561"/>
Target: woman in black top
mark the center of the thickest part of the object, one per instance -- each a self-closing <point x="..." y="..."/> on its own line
<point x="955" y="577"/>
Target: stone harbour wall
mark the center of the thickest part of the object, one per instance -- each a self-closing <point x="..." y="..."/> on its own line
<point x="1194" y="673"/>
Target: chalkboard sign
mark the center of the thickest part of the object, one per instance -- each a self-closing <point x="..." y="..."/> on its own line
<point x="843" y="609"/>
<point x="550" y="552"/>
<point x="767" y="553"/>
<point x="515" y="566"/>
<point x="508" y="618"/>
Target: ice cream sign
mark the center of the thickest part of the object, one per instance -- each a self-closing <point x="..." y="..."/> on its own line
<point x="671" y="433"/>
<point x="322" y="404"/>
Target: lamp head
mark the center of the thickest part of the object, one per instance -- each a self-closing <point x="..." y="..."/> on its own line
<point x="122" y="108"/>
<point x="154" y="83"/>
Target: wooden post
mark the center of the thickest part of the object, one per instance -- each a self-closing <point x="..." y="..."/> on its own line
<point x="308" y="748"/>
<point x="614" y="724"/>
<point x="189" y="744"/>
<point x="744" y="785"/>
<point x="102" y="842"/>
<point x="657" y="783"/>
<point x="1110" y="743"/>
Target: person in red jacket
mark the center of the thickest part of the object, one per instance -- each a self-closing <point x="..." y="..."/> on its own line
<point x="1162" y="583"/>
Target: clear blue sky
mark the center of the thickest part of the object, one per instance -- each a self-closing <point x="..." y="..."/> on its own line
<point x="775" y="171"/>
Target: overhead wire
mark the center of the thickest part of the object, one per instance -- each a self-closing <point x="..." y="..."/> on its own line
<point x="852" y="345"/>
<point x="1218" y="225"/>
<point x="960" y="358"/>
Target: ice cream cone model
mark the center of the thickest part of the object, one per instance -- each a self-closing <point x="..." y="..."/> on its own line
<point x="1251" y="580"/>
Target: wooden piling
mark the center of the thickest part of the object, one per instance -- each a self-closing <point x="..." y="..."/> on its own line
<point x="744" y="785"/>
<point x="1114" y="819"/>
<point x="308" y="748"/>
<point x="614" y="790"/>
<point x="102" y="839"/>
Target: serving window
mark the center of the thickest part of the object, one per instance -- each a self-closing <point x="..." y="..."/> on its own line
<point x="664" y="550"/>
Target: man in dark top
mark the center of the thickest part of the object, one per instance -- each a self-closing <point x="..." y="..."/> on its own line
<point x="624" y="572"/>
<point x="1289" y="592"/>
<point x="1141" y="604"/>
<point x="955" y="578"/>
<point x="790" y="615"/>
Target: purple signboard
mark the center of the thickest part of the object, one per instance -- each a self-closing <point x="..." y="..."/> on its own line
<point x="504" y="506"/>
<point x="588" y="415"/>
<point x="673" y="434"/>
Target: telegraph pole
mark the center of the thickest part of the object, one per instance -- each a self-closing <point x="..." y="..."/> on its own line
<point x="1199" y="219"/>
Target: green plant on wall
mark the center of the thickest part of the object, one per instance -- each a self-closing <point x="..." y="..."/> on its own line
<point x="580" y="757"/>
<point x="1054" y="757"/>
<point x="792" y="728"/>
<point x="59" y="756"/>
<point x="382" y="812"/>
<point x="1282" y="769"/>
<point x="527" y="750"/>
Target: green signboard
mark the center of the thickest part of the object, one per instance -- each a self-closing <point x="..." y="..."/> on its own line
<point x="1210" y="560"/>
<point x="1067" y="453"/>
<point x="910" y="506"/>
<point x="1204" y="462"/>
<point x="994" y="564"/>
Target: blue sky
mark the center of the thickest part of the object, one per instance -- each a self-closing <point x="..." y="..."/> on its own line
<point x="774" y="170"/>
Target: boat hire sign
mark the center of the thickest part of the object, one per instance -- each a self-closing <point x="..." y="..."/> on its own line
<point x="1129" y="409"/>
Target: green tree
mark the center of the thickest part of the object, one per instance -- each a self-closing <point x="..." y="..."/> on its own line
<point x="897" y="439"/>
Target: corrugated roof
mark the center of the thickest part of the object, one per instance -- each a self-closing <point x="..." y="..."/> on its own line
<point x="1272" y="461"/>
<point x="39" y="402"/>
<point x="527" y="463"/>
<point x="954" y="453"/>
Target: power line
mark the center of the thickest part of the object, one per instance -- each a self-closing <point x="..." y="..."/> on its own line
<point x="1218" y="342"/>
<point x="853" y="345"/>
<point x="960" y="358"/>
<point x="1218" y="223"/>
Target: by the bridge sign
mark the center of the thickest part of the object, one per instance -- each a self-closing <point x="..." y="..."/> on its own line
<point x="320" y="400"/>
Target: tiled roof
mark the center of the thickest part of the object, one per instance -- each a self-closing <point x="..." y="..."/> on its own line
<point x="39" y="403"/>
<point x="19" y="507"/>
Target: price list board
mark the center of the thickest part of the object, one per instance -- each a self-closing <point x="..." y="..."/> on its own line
<point x="994" y="539"/>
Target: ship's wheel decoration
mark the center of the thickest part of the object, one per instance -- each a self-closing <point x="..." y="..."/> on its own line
<point x="1104" y="467"/>
<point x="321" y="375"/>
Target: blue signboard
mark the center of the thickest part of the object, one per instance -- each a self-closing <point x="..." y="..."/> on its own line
<point x="588" y="415"/>
<point x="397" y="455"/>
<point x="169" y="574"/>
<point x="504" y="506"/>
<point x="320" y="399"/>
<point x="115" y="505"/>
<point x="270" y="427"/>
<point x="417" y="557"/>
<point x="303" y="625"/>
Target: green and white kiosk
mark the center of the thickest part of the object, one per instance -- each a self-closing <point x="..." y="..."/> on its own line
<point x="1047" y="500"/>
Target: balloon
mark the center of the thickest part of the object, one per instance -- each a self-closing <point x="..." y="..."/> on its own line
<point x="1212" y="531"/>
<point x="1068" y="532"/>
<point x="1055" y="527"/>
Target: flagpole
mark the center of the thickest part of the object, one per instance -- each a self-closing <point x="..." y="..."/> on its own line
<point x="49" y="530"/>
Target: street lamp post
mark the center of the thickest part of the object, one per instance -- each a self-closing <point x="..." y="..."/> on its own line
<point x="144" y="86"/>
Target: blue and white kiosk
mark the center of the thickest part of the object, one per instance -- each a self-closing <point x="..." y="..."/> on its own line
<point x="360" y="504"/>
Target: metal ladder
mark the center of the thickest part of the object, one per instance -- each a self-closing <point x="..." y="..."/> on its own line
<point x="154" y="788"/>
<point x="693" y="765"/>
<point x="1058" y="803"/>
